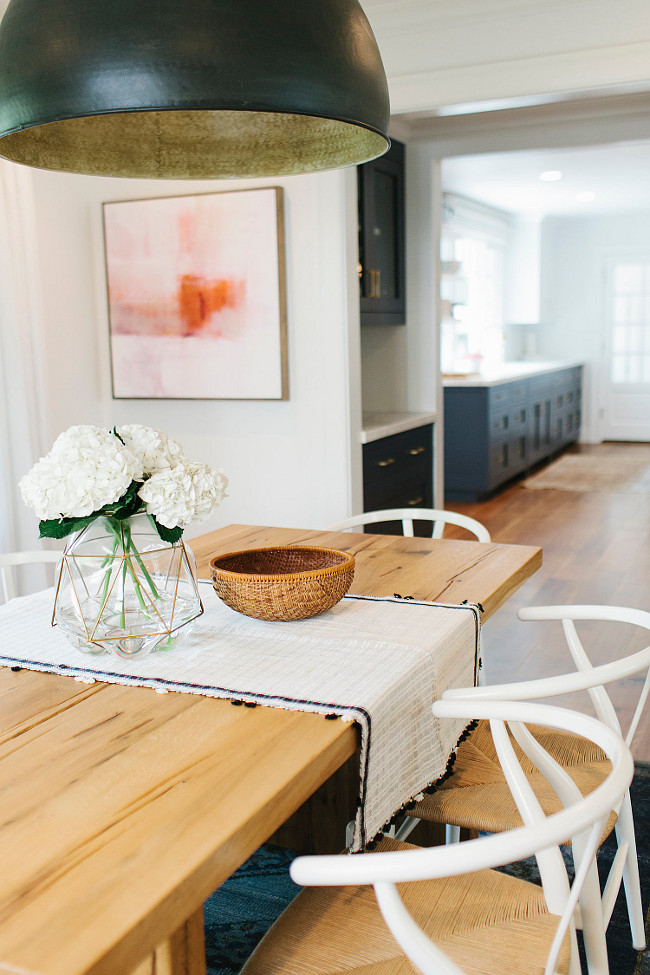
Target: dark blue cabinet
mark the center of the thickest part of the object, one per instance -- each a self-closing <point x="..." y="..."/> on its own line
<point x="382" y="264"/>
<point x="496" y="433"/>
<point x="398" y="473"/>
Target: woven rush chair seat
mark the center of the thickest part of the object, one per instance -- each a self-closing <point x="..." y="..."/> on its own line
<point x="488" y="922"/>
<point x="476" y="795"/>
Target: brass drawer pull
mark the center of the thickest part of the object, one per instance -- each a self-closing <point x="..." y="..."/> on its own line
<point x="386" y="463"/>
<point x="414" y="451"/>
<point x="415" y="502"/>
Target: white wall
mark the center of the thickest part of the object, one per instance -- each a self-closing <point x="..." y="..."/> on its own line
<point x="574" y="255"/>
<point x="289" y="463"/>
<point x="400" y="362"/>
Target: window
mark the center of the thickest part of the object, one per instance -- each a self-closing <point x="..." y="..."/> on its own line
<point x="473" y="249"/>
<point x="630" y="322"/>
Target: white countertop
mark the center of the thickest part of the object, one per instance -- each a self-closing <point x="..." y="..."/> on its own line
<point x="507" y="372"/>
<point x="378" y="425"/>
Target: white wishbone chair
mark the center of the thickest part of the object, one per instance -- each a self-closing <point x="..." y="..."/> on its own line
<point x="461" y="912"/>
<point x="475" y="795"/>
<point x="407" y="516"/>
<point x="11" y="559"/>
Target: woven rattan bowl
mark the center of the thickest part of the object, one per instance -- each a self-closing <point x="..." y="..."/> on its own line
<point x="288" y="582"/>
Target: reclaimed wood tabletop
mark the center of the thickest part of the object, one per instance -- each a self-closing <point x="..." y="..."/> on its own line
<point x="121" y="809"/>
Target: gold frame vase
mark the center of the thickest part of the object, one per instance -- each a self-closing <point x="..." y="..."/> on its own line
<point x="121" y="589"/>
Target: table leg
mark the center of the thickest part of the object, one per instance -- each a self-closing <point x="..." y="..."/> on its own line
<point x="182" y="954"/>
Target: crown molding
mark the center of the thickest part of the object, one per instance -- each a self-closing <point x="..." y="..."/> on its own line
<point x="629" y="109"/>
<point x="591" y="121"/>
<point x="399" y="18"/>
<point x="571" y="72"/>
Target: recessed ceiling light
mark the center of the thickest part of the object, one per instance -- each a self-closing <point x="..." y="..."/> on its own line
<point x="550" y="175"/>
<point x="586" y="196"/>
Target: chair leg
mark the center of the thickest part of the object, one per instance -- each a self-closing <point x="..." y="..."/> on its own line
<point x="631" y="883"/>
<point x="575" y="965"/>
<point x="406" y="828"/>
<point x="452" y="834"/>
<point x="593" y="925"/>
<point x="349" y="833"/>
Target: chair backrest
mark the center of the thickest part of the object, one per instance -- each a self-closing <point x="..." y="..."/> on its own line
<point x="407" y="516"/>
<point x="582" y="819"/>
<point x="586" y="676"/>
<point x="10" y="559"/>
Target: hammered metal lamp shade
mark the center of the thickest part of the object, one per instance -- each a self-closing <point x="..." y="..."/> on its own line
<point x="190" y="88"/>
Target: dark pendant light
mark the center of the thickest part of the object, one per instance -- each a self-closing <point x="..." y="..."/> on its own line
<point x="190" y="88"/>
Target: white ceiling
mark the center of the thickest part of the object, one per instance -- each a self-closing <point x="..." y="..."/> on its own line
<point x="618" y="175"/>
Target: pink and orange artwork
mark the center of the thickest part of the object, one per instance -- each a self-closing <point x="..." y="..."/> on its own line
<point x="196" y="296"/>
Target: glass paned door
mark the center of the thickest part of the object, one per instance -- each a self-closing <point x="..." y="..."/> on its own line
<point x="625" y="394"/>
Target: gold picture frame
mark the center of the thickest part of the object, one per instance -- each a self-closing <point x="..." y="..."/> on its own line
<point x="196" y="291"/>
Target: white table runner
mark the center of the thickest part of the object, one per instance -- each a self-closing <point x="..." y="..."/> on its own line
<point x="378" y="661"/>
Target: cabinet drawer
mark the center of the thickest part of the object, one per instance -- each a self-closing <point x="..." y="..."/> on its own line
<point x="540" y="388"/>
<point x="519" y="418"/>
<point x="505" y="422"/>
<point x="498" y="398"/>
<point x="518" y="394"/>
<point x="402" y="492"/>
<point x="382" y="459"/>
<point x="518" y="451"/>
<point x="561" y="378"/>
<point x="499" y="461"/>
<point x="499" y="424"/>
<point x="405" y="492"/>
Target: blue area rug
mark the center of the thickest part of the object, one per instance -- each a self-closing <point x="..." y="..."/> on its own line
<point x="240" y="912"/>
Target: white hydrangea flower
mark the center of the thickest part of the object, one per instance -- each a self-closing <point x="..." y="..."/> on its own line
<point x="156" y="450"/>
<point x="188" y="492"/>
<point x="87" y="468"/>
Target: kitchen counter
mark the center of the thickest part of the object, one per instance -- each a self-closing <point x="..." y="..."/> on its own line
<point x="507" y="372"/>
<point x="378" y="425"/>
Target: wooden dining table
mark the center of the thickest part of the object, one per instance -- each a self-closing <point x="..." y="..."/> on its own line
<point x="122" y="810"/>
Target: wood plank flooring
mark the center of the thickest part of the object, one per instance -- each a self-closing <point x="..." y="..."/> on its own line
<point x="596" y="550"/>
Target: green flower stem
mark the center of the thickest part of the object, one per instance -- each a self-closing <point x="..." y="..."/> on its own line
<point x="145" y="571"/>
<point x="108" y="565"/>
<point x="136" y="581"/>
<point x="127" y="544"/>
<point x="123" y="612"/>
<point x="122" y="537"/>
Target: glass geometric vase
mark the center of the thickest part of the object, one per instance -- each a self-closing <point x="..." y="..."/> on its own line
<point x="123" y="590"/>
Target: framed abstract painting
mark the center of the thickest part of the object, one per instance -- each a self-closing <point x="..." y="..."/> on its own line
<point x="197" y="296"/>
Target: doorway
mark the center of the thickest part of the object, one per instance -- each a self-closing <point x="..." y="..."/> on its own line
<point x="576" y="268"/>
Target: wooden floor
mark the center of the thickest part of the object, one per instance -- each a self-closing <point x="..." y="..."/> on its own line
<point x="596" y="550"/>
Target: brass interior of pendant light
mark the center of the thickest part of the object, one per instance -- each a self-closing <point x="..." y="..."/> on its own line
<point x="204" y="89"/>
